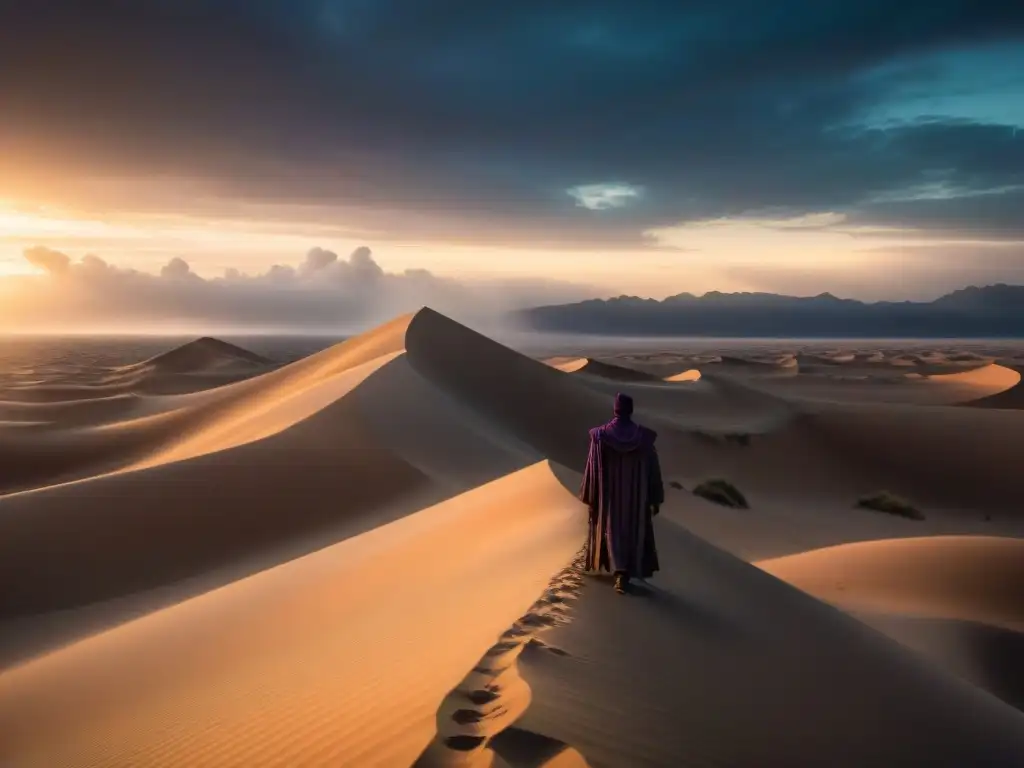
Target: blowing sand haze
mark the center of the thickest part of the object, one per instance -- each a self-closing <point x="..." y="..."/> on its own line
<point x="375" y="556"/>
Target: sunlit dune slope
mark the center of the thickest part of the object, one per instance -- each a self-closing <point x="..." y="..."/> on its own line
<point x="337" y="658"/>
<point x="417" y="410"/>
<point x="992" y="376"/>
<point x="689" y="375"/>
<point x="1012" y="398"/>
<point x="976" y="578"/>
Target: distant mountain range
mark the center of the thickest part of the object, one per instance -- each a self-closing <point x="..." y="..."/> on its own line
<point x="992" y="311"/>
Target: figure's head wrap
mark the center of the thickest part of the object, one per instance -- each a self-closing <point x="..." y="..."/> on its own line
<point x="623" y="405"/>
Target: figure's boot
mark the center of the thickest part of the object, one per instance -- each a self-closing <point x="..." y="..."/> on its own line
<point x="621" y="582"/>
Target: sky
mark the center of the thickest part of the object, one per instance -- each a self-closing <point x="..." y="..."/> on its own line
<point x="480" y="156"/>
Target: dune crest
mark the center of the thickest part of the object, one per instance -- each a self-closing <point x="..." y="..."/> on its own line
<point x="600" y="368"/>
<point x="200" y="356"/>
<point x="689" y="375"/>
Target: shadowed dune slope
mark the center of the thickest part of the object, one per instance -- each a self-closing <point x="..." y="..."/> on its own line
<point x="975" y="578"/>
<point x="718" y="663"/>
<point x="336" y="658"/>
<point x="202" y="355"/>
<point x="591" y="367"/>
<point x="946" y="457"/>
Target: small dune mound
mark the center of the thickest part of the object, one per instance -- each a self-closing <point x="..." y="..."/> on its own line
<point x="1008" y="399"/>
<point x="883" y="501"/>
<point x="971" y="578"/>
<point x="205" y="355"/>
<point x="599" y="368"/>
<point x="782" y="365"/>
<point x="691" y="375"/>
<point x="989" y="377"/>
<point x="825" y="359"/>
<point x="721" y="492"/>
<point x="869" y="357"/>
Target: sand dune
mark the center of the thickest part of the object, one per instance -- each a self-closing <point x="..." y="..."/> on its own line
<point x="1011" y="398"/>
<point x="201" y="356"/>
<point x="647" y="680"/>
<point x="593" y="367"/>
<point x="689" y="375"/>
<point x="987" y="377"/>
<point x="957" y="600"/>
<point x="336" y="658"/>
<point x="365" y="557"/>
<point x="973" y="578"/>
<point x="201" y="364"/>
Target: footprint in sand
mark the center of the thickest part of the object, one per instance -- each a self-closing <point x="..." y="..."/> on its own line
<point x="478" y="711"/>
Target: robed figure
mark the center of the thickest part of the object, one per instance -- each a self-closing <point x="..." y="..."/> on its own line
<point x="623" y="489"/>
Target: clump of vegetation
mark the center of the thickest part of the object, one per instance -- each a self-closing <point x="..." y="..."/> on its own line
<point x="675" y="484"/>
<point x="883" y="501"/>
<point x="721" y="492"/>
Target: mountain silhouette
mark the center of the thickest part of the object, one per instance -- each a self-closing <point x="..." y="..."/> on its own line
<point x="994" y="311"/>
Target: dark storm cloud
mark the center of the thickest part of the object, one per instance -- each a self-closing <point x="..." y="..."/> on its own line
<point x="478" y="117"/>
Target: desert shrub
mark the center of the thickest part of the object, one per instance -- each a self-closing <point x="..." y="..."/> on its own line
<point x="675" y="484"/>
<point x="883" y="501"/>
<point x="721" y="492"/>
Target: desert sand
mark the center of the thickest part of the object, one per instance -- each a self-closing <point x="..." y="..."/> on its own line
<point x="369" y="557"/>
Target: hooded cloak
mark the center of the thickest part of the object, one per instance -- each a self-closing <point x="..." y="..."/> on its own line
<point x="621" y="484"/>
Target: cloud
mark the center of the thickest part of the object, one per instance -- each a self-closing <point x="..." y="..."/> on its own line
<point x="600" y="197"/>
<point x="54" y="262"/>
<point x="323" y="293"/>
<point x="176" y="269"/>
<point x="470" y="121"/>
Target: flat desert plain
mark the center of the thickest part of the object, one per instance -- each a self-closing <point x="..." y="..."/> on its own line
<point x="371" y="557"/>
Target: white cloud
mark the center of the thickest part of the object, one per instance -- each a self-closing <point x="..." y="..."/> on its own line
<point x="322" y="293"/>
<point x="600" y="197"/>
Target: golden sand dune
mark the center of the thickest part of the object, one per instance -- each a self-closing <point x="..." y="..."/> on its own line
<point x="201" y="364"/>
<point x="958" y="600"/>
<point x="645" y="681"/>
<point x="200" y="356"/>
<point x="418" y="409"/>
<point x="689" y="375"/>
<point x="940" y="385"/>
<point x="975" y="578"/>
<point x="986" y="380"/>
<point x="337" y="658"/>
<point x="593" y="367"/>
<point x="366" y="558"/>
<point x="1011" y="398"/>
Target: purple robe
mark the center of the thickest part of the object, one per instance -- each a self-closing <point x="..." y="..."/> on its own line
<point x="621" y="484"/>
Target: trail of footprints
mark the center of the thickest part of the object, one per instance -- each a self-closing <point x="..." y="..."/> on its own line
<point x="483" y="704"/>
